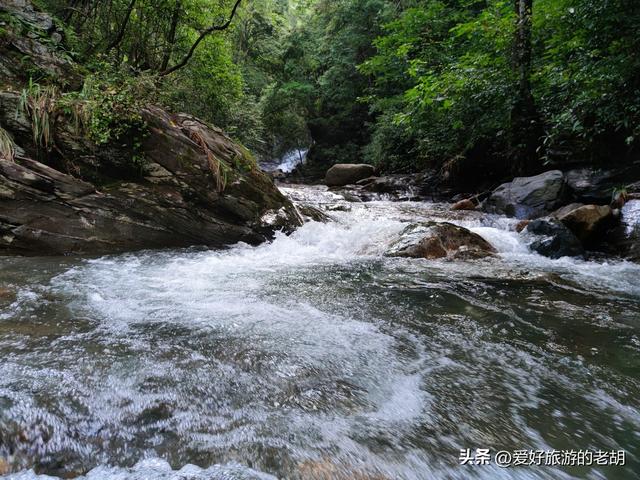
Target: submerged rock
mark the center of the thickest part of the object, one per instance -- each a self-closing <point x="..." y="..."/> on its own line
<point x="327" y="469"/>
<point x="391" y="184"/>
<point x="433" y="240"/>
<point x="7" y="294"/>
<point x="522" y="224"/>
<point x="343" y="174"/>
<point x="310" y="213"/>
<point x="527" y="197"/>
<point x="466" y="204"/>
<point x="555" y="241"/>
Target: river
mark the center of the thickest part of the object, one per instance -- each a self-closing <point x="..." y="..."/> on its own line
<point x="317" y="357"/>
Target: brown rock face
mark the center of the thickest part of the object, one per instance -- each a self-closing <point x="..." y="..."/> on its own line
<point x="343" y="174"/>
<point x="432" y="240"/>
<point x="195" y="187"/>
<point x="466" y="204"/>
<point x="587" y="221"/>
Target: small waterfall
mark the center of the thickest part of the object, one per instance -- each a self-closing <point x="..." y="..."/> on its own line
<point x="287" y="162"/>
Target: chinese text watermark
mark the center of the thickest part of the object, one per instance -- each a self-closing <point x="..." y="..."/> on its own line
<point x="514" y="458"/>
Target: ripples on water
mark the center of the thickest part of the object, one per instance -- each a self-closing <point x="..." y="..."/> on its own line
<point x="315" y="357"/>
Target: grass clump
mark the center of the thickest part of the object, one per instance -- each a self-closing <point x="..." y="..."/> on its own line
<point x="7" y="147"/>
<point x="39" y="104"/>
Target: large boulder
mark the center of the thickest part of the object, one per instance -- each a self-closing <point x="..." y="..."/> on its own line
<point x="596" y="185"/>
<point x="195" y="186"/>
<point x="527" y="197"/>
<point x="343" y="174"/>
<point x="587" y="221"/>
<point x="433" y="240"/>
<point x="553" y="239"/>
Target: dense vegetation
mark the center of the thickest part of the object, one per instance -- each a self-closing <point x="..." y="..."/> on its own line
<point x="464" y="86"/>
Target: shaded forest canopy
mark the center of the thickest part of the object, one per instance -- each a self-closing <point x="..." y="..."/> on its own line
<point x="461" y="86"/>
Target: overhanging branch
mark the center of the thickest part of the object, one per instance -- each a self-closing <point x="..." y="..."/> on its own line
<point x="201" y="37"/>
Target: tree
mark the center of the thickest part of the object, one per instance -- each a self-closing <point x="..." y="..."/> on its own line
<point x="526" y="132"/>
<point x="204" y="34"/>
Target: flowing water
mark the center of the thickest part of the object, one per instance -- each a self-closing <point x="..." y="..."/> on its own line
<point x="317" y="357"/>
<point x="288" y="162"/>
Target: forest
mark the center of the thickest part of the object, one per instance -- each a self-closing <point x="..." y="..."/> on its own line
<point x="459" y="86"/>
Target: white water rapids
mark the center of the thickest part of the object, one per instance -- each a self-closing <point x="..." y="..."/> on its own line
<point x="317" y="357"/>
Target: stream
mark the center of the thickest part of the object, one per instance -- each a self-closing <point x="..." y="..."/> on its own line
<point x="317" y="357"/>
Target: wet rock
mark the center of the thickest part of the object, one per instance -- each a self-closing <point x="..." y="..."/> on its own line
<point x="625" y="238"/>
<point x="433" y="240"/>
<point x="596" y="185"/>
<point x="7" y="295"/>
<point x="278" y="174"/>
<point x="466" y="204"/>
<point x="156" y="413"/>
<point x="343" y="174"/>
<point x="312" y="214"/>
<point x="391" y="184"/>
<point x="556" y="239"/>
<point x="562" y="211"/>
<point x="5" y="468"/>
<point x="587" y="221"/>
<point x="340" y="207"/>
<point x="527" y="197"/>
<point x="522" y="224"/>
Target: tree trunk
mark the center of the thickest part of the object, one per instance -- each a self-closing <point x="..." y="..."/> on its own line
<point x="525" y="122"/>
<point x="171" y="37"/>
<point x="123" y="28"/>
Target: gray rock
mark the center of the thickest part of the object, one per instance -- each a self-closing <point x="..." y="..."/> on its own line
<point x="41" y="48"/>
<point x="555" y="240"/>
<point x="433" y="240"/>
<point x="596" y="185"/>
<point x="527" y="197"/>
<point x="343" y="174"/>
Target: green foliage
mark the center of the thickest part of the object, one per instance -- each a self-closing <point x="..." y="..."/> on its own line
<point x="108" y="106"/>
<point x="443" y="75"/>
<point x="404" y="84"/>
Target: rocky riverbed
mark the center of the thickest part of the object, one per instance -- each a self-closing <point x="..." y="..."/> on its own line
<point x="318" y="355"/>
